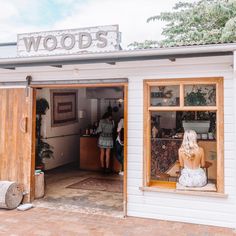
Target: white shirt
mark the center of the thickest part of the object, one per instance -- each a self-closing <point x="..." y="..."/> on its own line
<point x="119" y="127"/>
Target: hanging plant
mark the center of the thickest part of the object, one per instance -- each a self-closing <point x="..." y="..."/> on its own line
<point x="41" y="106"/>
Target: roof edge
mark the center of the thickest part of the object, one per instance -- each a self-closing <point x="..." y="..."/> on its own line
<point x="124" y="55"/>
<point x="8" y="44"/>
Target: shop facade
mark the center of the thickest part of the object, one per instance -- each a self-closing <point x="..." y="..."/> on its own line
<point x="165" y="89"/>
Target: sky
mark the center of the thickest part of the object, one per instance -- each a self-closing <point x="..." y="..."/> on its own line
<point x="23" y="16"/>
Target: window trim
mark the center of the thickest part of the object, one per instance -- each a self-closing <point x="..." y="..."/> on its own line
<point x="219" y="108"/>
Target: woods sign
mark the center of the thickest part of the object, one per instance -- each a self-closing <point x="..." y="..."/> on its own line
<point x="73" y="41"/>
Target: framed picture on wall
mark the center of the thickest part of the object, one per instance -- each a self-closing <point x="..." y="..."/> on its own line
<point x="64" y="107"/>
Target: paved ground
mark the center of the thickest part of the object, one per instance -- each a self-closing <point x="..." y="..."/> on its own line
<point x="50" y="222"/>
<point x="64" y="212"/>
<point x="59" y="196"/>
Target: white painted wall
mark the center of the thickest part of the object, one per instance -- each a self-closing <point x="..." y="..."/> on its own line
<point x="65" y="148"/>
<point x="94" y="110"/>
<point x="165" y="206"/>
<point x="116" y="115"/>
<point x="167" y="119"/>
<point x="107" y="97"/>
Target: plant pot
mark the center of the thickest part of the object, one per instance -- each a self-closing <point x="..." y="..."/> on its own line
<point x="39" y="184"/>
<point x="39" y="167"/>
<point x="200" y="126"/>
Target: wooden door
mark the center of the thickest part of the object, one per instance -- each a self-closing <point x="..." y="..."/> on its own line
<point x="16" y="129"/>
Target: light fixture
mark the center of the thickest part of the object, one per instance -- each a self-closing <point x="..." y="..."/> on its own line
<point x="57" y="66"/>
<point x="172" y="59"/>
<point x="9" y="68"/>
<point x="111" y="63"/>
<point x="82" y="114"/>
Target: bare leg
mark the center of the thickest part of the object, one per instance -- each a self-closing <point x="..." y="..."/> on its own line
<point x="108" y="151"/>
<point x="102" y="158"/>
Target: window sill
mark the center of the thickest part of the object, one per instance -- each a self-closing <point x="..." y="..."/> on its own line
<point x="184" y="192"/>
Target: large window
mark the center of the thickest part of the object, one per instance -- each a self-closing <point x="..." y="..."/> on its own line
<point x="172" y="106"/>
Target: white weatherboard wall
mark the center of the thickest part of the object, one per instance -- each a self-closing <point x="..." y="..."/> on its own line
<point x="165" y="206"/>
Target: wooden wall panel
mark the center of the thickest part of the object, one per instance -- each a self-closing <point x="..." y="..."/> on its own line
<point x="16" y="138"/>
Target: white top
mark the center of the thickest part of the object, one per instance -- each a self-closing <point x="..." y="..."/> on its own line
<point x="119" y="127"/>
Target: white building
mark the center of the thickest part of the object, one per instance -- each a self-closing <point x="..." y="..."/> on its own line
<point x="151" y="172"/>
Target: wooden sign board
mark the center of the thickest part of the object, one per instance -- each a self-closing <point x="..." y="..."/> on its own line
<point x="71" y="41"/>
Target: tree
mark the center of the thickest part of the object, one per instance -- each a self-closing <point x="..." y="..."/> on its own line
<point x="201" y="22"/>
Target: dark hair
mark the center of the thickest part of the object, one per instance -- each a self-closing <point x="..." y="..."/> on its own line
<point x="106" y="115"/>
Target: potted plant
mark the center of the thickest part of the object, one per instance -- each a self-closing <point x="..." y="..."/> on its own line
<point x="199" y="96"/>
<point x="196" y="98"/>
<point x="43" y="149"/>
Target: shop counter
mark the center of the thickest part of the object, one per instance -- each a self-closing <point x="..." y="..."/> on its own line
<point x="164" y="156"/>
<point x="90" y="155"/>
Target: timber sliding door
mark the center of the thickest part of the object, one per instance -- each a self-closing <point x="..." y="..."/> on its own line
<point x="16" y="137"/>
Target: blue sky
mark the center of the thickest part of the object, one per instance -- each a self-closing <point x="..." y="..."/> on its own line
<point x="43" y="13"/>
<point x="21" y="16"/>
<point x="46" y="13"/>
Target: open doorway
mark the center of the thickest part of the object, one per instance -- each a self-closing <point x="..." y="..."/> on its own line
<point x="73" y="170"/>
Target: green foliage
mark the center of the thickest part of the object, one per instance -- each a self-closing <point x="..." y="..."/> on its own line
<point x="200" y="97"/>
<point x="201" y="22"/>
<point x="195" y="98"/>
<point x="43" y="149"/>
<point x="41" y="106"/>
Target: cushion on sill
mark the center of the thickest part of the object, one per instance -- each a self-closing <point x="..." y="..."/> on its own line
<point x="210" y="187"/>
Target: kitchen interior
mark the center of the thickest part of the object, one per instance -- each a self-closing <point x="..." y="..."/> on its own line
<point x="167" y="130"/>
<point x="73" y="141"/>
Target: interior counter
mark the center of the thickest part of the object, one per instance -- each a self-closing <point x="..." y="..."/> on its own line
<point x="90" y="155"/>
<point x="165" y="154"/>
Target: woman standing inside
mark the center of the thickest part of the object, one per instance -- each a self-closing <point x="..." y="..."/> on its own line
<point x="191" y="159"/>
<point x="120" y="145"/>
<point x="105" y="141"/>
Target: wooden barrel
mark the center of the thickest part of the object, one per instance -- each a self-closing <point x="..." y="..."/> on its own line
<point x="11" y="195"/>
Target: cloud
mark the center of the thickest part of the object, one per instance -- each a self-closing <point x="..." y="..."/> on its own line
<point x="7" y="11"/>
<point x="130" y="15"/>
<point x="20" y="16"/>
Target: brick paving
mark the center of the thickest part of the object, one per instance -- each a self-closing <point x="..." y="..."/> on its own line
<point x="49" y="222"/>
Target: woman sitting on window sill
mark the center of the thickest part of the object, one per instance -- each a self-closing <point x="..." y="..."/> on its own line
<point x="191" y="159"/>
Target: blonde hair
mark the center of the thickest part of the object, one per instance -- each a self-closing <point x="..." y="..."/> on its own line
<point x="189" y="145"/>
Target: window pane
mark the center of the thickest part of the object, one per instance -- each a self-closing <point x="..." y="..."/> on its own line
<point x="167" y="130"/>
<point x="164" y="148"/>
<point x="200" y="95"/>
<point x="165" y="95"/>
